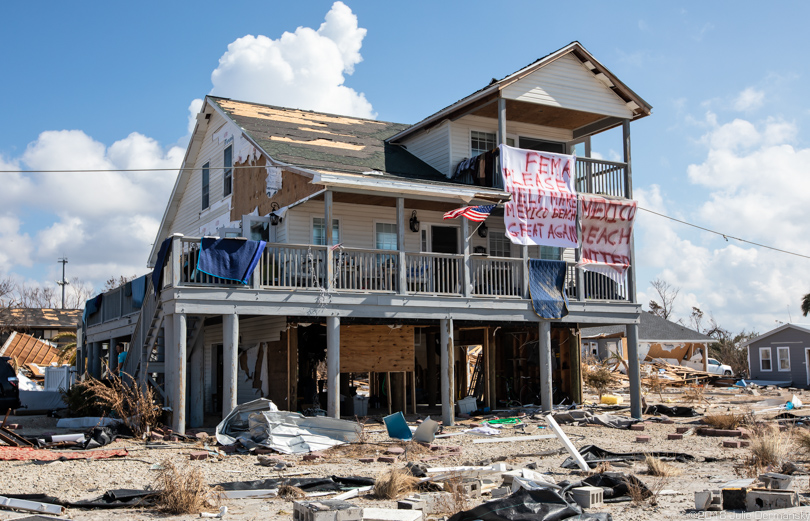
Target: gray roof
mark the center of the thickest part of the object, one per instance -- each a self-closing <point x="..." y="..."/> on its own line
<point x="651" y="328"/>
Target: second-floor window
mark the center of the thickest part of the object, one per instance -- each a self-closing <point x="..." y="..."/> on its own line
<point x="550" y="253"/>
<point x="205" y="170"/>
<point x="481" y="142"/>
<point x="227" y="171"/>
<point x="500" y="245"/>
<point x="319" y="231"/>
<point x="385" y="236"/>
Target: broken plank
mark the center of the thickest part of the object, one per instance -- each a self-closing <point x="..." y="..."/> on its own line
<point x="515" y="438"/>
<point x="567" y="443"/>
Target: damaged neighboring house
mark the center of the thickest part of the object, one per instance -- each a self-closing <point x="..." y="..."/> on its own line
<point x="344" y="265"/>
<point x="41" y="323"/>
<point x="658" y="339"/>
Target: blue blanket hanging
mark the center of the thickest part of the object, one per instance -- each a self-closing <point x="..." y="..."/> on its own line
<point x="547" y="288"/>
<point x="229" y="258"/>
<point x="157" y="272"/>
<point x="138" y="291"/>
<point x="92" y="306"/>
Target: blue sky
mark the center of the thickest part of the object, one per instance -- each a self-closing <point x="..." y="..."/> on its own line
<point x="725" y="148"/>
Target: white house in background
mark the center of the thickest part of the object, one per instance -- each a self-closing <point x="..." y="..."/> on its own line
<point x="360" y="268"/>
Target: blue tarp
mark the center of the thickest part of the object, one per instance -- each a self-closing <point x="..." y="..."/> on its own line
<point x="547" y="288"/>
<point x="229" y="258"/>
<point x="138" y="291"/>
<point x="157" y="272"/>
<point x="92" y="306"/>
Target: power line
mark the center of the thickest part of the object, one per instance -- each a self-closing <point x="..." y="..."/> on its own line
<point x="725" y="235"/>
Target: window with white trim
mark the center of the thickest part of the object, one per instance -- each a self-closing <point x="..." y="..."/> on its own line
<point x="500" y="245"/>
<point x="765" y="359"/>
<point x="481" y="142"/>
<point x="227" y="171"/>
<point x="385" y="236"/>
<point x="783" y="354"/>
<point x="205" y="180"/>
<point x="550" y="253"/>
<point x="319" y="231"/>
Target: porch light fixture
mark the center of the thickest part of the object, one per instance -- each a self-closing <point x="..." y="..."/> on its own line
<point x="414" y="223"/>
<point x="274" y="219"/>
<point x="483" y="230"/>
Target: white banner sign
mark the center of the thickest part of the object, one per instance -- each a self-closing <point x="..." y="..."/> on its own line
<point x="543" y="208"/>
<point x="607" y="227"/>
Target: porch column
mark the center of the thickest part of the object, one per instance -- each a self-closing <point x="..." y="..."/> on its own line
<point x="403" y="277"/>
<point x="634" y="371"/>
<point x="112" y="357"/>
<point x="525" y="255"/>
<point x="466" y="268"/>
<point x="575" y="357"/>
<point x="545" y="366"/>
<point x="447" y="363"/>
<point x="230" y="354"/>
<point x="196" y="378"/>
<point x="180" y="366"/>
<point x="169" y="372"/>
<point x="501" y="121"/>
<point x="705" y="358"/>
<point x="333" y="366"/>
<point x="327" y="223"/>
<point x="430" y="353"/>
<point x="92" y="355"/>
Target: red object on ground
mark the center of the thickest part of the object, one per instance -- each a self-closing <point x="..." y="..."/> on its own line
<point x="29" y="454"/>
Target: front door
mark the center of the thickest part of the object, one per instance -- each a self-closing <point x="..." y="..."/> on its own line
<point x="444" y="239"/>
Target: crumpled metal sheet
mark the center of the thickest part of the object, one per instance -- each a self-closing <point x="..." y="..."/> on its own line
<point x="260" y="423"/>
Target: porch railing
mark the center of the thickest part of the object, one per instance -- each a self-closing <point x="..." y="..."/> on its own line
<point x="596" y="176"/>
<point x="435" y="273"/>
<point x="500" y="277"/>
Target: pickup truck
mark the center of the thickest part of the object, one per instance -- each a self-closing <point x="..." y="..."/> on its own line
<point x="714" y="366"/>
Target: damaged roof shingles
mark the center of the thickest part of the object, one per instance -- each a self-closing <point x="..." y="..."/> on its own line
<point x="327" y="142"/>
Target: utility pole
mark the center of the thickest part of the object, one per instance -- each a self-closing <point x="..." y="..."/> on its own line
<point x="64" y="281"/>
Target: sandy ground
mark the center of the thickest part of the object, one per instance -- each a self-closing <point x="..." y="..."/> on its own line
<point x="85" y="479"/>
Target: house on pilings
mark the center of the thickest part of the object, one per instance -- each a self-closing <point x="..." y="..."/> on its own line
<point x="361" y="275"/>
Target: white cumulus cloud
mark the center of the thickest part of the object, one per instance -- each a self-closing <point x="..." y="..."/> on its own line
<point x="749" y="99"/>
<point x="305" y="69"/>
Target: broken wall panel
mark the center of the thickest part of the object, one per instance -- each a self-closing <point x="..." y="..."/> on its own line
<point x="250" y="189"/>
<point x="376" y="348"/>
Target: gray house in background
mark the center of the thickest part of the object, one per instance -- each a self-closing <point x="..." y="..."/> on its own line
<point x="780" y="357"/>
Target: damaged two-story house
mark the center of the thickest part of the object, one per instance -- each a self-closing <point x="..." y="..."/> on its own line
<point x="301" y="249"/>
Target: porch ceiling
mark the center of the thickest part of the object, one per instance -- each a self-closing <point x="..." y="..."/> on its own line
<point x="389" y="201"/>
<point x="537" y="114"/>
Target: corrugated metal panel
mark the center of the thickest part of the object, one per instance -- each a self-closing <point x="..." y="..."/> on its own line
<point x="431" y="147"/>
<point x="567" y="83"/>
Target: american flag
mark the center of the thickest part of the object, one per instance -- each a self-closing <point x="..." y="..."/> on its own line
<point x="473" y="213"/>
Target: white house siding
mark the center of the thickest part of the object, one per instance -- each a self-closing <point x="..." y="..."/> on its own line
<point x="190" y="215"/>
<point x="251" y="332"/>
<point x="567" y="83"/>
<point x="460" y="134"/>
<point x="432" y="147"/>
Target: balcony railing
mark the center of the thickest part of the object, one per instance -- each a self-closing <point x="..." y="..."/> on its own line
<point x="596" y="176"/>
<point x="435" y="273"/>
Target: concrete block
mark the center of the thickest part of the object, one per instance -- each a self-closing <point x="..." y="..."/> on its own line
<point x="326" y="510"/>
<point x="367" y="460"/>
<point x="388" y="514"/>
<point x="500" y="492"/>
<point x="707" y="431"/>
<point x="198" y="455"/>
<point x="642" y="439"/>
<point x="745" y="443"/>
<point x="637" y="427"/>
<point x="734" y="433"/>
<point x="731" y="444"/>
<point x="708" y="500"/>
<point x="776" y="481"/>
<point x="674" y="436"/>
<point x="387" y="459"/>
<point x="395" y="450"/>
<point x="586" y="497"/>
<point x="744" y="433"/>
<point x="759" y="499"/>
<point x="667" y="422"/>
<point x="429" y="502"/>
<point x="682" y="430"/>
<point x="734" y="498"/>
<point x="201" y="435"/>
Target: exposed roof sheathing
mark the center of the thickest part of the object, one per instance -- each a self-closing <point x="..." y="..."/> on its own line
<point x="318" y="141"/>
<point x="27" y="349"/>
<point x="40" y="318"/>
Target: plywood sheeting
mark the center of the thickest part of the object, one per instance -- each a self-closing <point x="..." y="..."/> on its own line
<point x="250" y="189"/>
<point x="376" y="348"/>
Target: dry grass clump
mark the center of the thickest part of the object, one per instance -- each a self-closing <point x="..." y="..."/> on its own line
<point x="727" y="421"/>
<point x="601" y="468"/>
<point x="598" y="377"/>
<point x="803" y="440"/>
<point x="694" y="394"/>
<point x="769" y="449"/>
<point x="290" y="492"/>
<point x="656" y="467"/>
<point x="184" y="491"/>
<point x="393" y="484"/>
<point x="131" y="403"/>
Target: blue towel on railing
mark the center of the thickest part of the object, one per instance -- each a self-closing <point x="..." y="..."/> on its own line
<point x="547" y="288"/>
<point x="157" y="272"/>
<point x="229" y="258"/>
<point x="138" y="291"/>
<point x="92" y="306"/>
